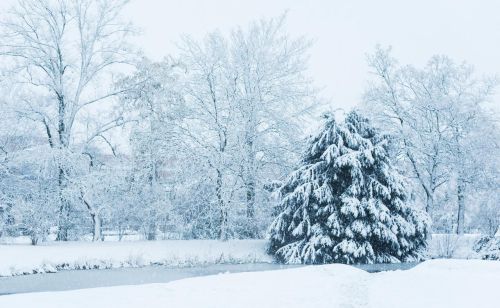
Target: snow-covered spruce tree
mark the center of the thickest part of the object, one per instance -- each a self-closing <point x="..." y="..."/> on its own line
<point x="346" y="203"/>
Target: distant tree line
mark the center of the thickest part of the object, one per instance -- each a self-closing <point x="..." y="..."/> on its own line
<point x="96" y="137"/>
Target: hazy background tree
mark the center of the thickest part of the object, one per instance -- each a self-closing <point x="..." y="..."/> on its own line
<point x="436" y="114"/>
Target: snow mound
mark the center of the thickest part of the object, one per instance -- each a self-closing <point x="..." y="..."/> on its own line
<point x="437" y="283"/>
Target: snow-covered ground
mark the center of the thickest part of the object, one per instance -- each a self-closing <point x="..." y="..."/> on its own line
<point x="436" y="283"/>
<point x="439" y="283"/>
<point x="453" y="246"/>
<point x="19" y="259"/>
<point x="50" y="257"/>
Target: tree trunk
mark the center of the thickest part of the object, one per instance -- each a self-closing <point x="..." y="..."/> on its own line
<point x="151" y="232"/>
<point x="121" y="231"/>
<point x="34" y="239"/>
<point x="461" y="206"/>
<point x="249" y="180"/>
<point x="250" y="211"/>
<point x="222" y="207"/>
<point x="64" y="210"/>
<point x="250" y="187"/>
<point x="429" y="203"/>
<point x="96" y="221"/>
<point x="97" y="228"/>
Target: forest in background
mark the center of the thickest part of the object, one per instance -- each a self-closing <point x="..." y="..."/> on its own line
<point x="95" y="136"/>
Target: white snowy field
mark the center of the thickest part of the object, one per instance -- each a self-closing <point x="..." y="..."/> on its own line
<point x="51" y="257"/>
<point x="436" y="283"/>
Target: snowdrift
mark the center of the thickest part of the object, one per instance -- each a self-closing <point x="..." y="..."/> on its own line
<point x="436" y="283"/>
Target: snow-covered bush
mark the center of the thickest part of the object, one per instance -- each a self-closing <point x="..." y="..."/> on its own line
<point x="488" y="248"/>
<point x="346" y="203"/>
<point x="445" y="245"/>
<point x="34" y="218"/>
<point x="487" y="216"/>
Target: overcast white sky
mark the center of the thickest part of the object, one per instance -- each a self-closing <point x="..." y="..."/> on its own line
<point x="344" y="31"/>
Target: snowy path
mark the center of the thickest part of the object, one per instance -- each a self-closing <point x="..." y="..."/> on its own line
<point x="436" y="283"/>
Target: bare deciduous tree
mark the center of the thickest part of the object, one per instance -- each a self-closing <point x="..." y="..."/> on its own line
<point x="435" y="114"/>
<point x="63" y="53"/>
<point x="271" y="93"/>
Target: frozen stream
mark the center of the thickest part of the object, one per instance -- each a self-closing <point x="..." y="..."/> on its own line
<point x="81" y="279"/>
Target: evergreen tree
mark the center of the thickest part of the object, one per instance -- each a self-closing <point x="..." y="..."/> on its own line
<point x="346" y="203"/>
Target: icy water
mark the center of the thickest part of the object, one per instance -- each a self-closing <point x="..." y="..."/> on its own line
<point x="82" y="279"/>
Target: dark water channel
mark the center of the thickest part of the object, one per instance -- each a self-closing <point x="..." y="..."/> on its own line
<point x="82" y="279"/>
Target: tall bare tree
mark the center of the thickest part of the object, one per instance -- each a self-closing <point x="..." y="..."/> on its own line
<point x="271" y="91"/>
<point x="63" y="54"/>
<point x="212" y="109"/>
<point x="436" y="113"/>
<point x="249" y="90"/>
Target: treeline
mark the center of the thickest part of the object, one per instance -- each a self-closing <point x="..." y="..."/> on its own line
<point x="444" y="123"/>
<point x="96" y="136"/>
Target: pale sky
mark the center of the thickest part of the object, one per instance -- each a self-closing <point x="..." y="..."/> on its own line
<point x="343" y="31"/>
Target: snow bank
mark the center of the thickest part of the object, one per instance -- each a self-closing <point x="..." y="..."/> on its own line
<point x="437" y="283"/>
<point x="17" y="259"/>
<point x="51" y="257"/>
